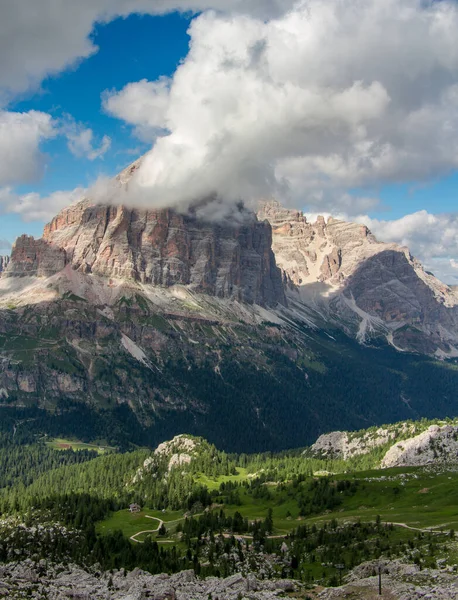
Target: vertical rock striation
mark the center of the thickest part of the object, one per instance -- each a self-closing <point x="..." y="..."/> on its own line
<point x="230" y="259"/>
<point x="4" y="260"/>
<point x="363" y="284"/>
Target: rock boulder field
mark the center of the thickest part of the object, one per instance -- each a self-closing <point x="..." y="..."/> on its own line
<point x="54" y="582"/>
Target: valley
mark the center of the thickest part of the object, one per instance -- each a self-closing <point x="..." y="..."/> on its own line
<point x="258" y="333"/>
<point x="228" y="300"/>
<point x="293" y="514"/>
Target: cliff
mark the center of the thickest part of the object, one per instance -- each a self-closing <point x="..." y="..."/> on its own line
<point x="340" y="272"/>
<point x="232" y="259"/>
<point x="4" y="260"/>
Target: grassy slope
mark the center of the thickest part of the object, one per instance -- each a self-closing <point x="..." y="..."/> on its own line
<point x="63" y="444"/>
<point x="131" y="523"/>
<point x="421" y="498"/>
<point x="256" y="389"/>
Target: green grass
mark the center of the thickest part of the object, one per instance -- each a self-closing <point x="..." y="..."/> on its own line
<point x="62" y="444"/>
<point x="213" y="483"/>
<point x="132" y="523"/>
<point x="383" y="492"/>
<point x="422" y="499"/>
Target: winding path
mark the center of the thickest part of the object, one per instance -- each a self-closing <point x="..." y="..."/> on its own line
<point x="133" y="537"/>
<point x="428" y="530"/>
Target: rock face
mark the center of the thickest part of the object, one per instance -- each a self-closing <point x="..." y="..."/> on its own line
<point x="34" y="258"/>
<point x="339" y="271"/>
<point x="436" y="445"/>
<point x="405" y="444"/>
<point x="342" y="444"/>
<point x="53" y="582"/>
<point x="400" y="581"/>
<point x="163" y="248"/>
<point x="4" y="260"/>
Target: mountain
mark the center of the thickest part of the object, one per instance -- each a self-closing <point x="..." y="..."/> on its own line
<point x="137" y="325"/>
<point x="160" y="248"/>
<point x="337" y="272"/>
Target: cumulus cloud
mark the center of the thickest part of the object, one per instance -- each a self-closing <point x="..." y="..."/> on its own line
<point x="43" y="37"/>
<point x="81" y="141"/>
<point x="431" y="238"/>
<point x="300" y="100"/>
<point x="331" y="95"/>
<point x="20" y="136"/>
<point x="34" y="207"/>
<point x="143" y="104"/>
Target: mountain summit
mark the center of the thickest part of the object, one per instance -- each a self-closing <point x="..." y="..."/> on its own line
<point x="258" y="332"/>
<point x="339" y="273"/>
<point x="158" y="248"/>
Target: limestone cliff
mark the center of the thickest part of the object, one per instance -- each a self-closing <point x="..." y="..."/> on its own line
<point x="4" y="260"/>
<point x="232" y="259"/>
<point x="339" y="271"/>
<point x="405" y="444"/>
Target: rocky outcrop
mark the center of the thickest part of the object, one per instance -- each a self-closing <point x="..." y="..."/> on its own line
<point x="400" y="581"/>
<point x="405" y="444"/>
<point x="232" y="259"/>
<point x="4" y="260"/>
<point x="34" y="258"/>
<point x="342" y="275"/>
<point x="53" y="582"/>
<point x="342" y="444"/>
<point x="435" y="445"/>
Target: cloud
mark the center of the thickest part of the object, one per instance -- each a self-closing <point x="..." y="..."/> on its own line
<point x="331" y="95"/>
<point x="34" y="207"/>
<point x="81" y="141"/>
<point x="39" y="38"/>
<point x="431" y="238"/>
<point x="298" y="100"/>
<point x="143" y="104"/>
<point x="20" y="136"/>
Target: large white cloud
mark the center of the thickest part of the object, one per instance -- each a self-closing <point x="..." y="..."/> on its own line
<point x="431" y="238"/>
<point x="33" y="206"/>
<point x="20" y="136"/>
<point x="331" y="95"/>
<point x="298" y="100"/>
<point x="43" y="37"/>
<point x="143" y="104"/>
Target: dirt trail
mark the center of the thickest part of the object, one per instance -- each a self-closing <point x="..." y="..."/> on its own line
<point x="133" y="537"/>
<point x="427" y="530"/>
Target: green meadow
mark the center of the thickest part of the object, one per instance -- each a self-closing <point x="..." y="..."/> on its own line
<point x="63" y="444"/>
<point x="419" y="498"/>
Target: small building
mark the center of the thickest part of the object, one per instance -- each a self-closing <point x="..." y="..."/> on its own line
<point x="134" y="508"/>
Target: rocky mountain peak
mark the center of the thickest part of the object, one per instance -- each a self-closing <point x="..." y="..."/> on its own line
<point x="229" y="259"/>
<point x="338" y="271"/>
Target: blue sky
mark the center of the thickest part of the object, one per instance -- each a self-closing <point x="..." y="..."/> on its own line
<point x="130" y="49"/>
<point x="266" y="102"/>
